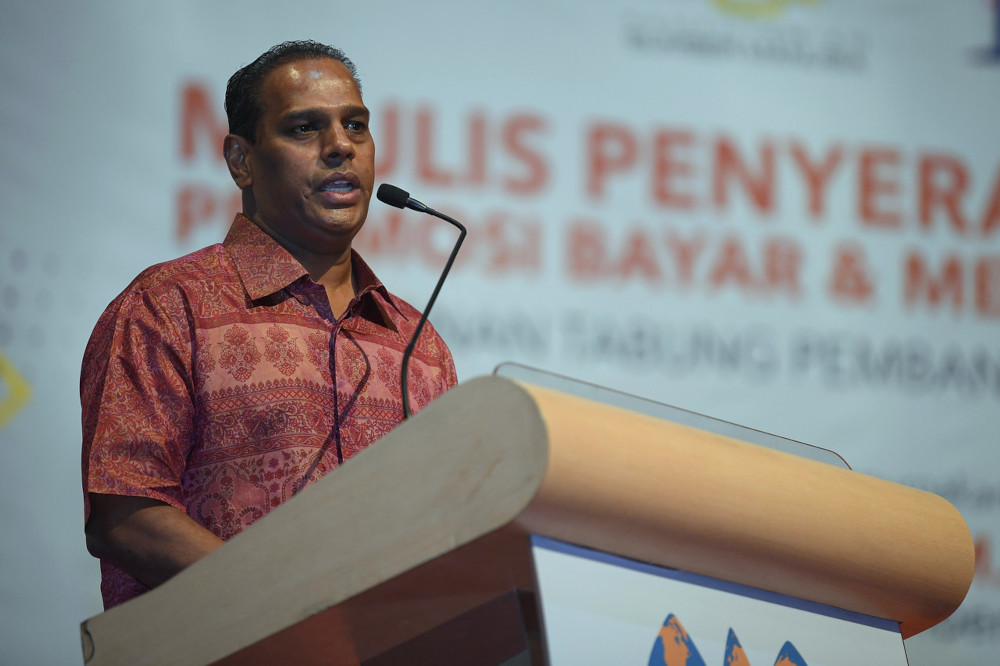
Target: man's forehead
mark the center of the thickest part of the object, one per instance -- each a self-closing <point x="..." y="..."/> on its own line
<point x="321" y="77"/>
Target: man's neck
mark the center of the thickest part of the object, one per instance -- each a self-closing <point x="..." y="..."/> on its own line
<point x="334" y="272"/>
<point x="338" y="281"/>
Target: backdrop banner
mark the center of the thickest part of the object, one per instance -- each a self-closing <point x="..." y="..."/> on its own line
<point x="780" y="213"/>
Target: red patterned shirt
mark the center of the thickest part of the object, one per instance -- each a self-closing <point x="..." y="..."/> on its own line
<point x="209" y="384"/>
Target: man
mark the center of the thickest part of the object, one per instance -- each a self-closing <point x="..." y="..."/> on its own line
<point x="219" y="384"/>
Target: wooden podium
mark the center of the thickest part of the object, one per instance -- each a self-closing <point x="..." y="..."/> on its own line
<point x="417" y="550"/>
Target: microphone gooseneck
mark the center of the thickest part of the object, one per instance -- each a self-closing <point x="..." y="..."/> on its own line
<point x="394" y="196"/>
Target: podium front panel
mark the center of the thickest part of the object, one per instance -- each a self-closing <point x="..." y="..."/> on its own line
<point x="604" y="609"/>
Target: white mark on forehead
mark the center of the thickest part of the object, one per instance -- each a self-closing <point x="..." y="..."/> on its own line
<point x="298" y="73"/>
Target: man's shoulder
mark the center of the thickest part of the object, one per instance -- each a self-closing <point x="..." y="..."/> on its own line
<point x="206" y="266"/>
<point x="160" y="298"/>
<point x="173" y="283"/>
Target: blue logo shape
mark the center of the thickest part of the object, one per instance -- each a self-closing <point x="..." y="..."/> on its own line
<point x="673" y="647"/>
<point x="789" y="656"/>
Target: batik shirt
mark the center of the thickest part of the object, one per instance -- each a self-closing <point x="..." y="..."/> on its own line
<point x="221" y="383"/>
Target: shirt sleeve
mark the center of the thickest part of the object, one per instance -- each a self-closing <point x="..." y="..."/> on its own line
<point x="438" y="356"/>
<point x="136" y="398"/>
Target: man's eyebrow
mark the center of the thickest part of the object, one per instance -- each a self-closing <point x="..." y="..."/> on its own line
<point x="356" y="110"/>
<point x="350" y="111"/>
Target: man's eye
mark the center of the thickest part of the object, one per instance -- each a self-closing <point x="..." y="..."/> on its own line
<point x="355" y="126"/>
<point x="304" y="128"/>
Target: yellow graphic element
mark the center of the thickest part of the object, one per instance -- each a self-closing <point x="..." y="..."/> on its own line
<point x="18" y="391"/>
<point x="758" y="9"/>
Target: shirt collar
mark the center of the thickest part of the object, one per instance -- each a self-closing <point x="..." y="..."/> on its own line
<point x="265" y="267"/>
<point x="374" y="302"/>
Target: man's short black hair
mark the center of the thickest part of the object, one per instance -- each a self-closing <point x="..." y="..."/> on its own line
<point x="243" y="105"/>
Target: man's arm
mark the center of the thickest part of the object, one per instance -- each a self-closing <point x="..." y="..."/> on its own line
<point x="147" y="538"/>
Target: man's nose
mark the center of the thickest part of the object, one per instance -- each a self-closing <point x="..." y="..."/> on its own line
<point x="337" y="146"/>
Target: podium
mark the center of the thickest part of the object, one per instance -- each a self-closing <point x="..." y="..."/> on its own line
<point x="425" y="548"/>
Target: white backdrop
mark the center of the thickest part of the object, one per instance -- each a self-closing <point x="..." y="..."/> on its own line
<point x="780" y="213"/>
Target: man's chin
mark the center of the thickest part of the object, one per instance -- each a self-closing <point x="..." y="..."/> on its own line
<point x="341" y="226"/>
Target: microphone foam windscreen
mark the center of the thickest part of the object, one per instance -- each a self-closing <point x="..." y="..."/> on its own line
<point x="392" y="195"/>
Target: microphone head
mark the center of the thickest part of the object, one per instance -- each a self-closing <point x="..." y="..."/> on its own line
<point x="392" y="195"/>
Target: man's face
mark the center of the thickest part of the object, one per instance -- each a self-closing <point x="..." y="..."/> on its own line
<point x="312" y="167"/>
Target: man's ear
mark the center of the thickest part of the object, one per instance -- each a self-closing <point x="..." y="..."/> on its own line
<point x="236" y="150"/>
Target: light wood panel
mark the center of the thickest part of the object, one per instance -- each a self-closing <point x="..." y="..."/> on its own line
<point x="673" y="495"/>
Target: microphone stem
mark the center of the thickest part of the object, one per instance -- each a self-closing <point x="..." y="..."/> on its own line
<point x="427" y="310"/>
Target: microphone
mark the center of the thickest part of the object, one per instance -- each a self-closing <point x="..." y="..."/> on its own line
<point x="392" y="195"/>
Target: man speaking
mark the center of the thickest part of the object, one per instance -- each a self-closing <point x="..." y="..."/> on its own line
<point x="218" y="385"/>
